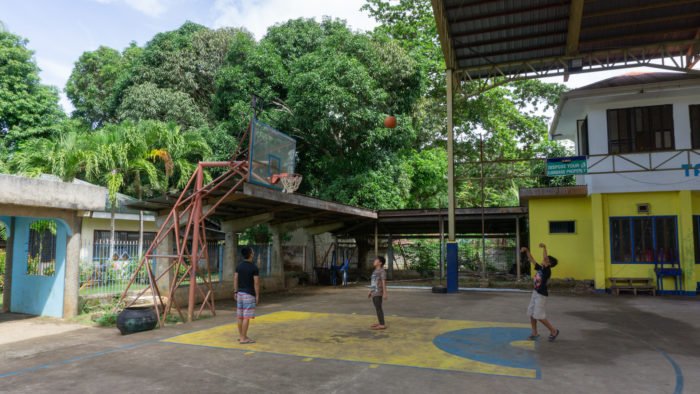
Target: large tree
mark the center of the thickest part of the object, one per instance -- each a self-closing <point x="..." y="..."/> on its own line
<point x="509" y="118"/>
<point x="331" y="88"/>
<point x="27" y="108"/>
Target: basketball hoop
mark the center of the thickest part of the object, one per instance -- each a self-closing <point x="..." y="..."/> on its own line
<point x="290" y="182"/>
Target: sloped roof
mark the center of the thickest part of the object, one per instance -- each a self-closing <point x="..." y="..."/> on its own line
<point x="488" y="38"/>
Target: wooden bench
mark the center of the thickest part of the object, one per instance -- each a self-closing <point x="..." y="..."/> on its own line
<point x="634" y="285"/>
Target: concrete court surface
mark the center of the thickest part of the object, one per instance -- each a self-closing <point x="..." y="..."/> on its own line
<point x="316" y="341"/>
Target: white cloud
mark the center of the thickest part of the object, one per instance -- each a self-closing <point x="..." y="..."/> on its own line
<point x="257" y="16"/>
<point x="152" y="8"/>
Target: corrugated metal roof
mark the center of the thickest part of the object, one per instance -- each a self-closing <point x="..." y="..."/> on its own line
<point x="504" y="37"/>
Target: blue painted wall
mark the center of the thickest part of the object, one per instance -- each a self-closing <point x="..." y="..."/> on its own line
<point x="37" y="295"/>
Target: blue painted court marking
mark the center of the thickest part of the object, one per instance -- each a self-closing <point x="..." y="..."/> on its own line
<point x="677" y="370"/>
<point x="83" y="357"/>
<point x="491" y="345"/>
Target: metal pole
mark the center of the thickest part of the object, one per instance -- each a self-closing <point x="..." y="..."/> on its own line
<point x="517" y="248"/>
<point x="390" y="257"/>
<point x="452" y="247"/>
<point x="450" y="162"/>
<point x="483" y="203"/>
<point x="442" y="249"/>
<point x="140" y="234"/>
<point x="194" y="259"/>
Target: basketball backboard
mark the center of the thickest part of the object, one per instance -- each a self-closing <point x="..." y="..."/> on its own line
<point x="271" y="153"/>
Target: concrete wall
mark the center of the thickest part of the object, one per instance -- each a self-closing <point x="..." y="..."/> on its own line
<point x="573" y="250"/>
<point x="30" y="192"/>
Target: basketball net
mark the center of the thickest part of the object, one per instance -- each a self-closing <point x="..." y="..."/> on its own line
<point x="290" y="182"/>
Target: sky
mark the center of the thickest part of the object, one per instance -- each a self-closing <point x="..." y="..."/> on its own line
<point x="59" y="31"/>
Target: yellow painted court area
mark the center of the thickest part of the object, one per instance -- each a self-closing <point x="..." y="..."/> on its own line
<point x="407" y="341"/>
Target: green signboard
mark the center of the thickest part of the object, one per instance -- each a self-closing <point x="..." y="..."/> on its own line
<point x="562" y="166"/>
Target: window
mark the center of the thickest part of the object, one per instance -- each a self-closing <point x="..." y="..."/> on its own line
<point x="582" y="126"/>
<point x="695" y="125"/>
<point x="41" y="250"/>
<point x="562" y="227"/>
<point x="640" y="129"/>
<point x="651" y="239"/>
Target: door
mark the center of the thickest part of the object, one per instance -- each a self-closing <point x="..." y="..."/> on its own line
<point x="38" y="270"/>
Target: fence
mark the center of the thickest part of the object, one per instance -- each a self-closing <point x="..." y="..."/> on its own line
<point x="500" y="256"/>
<point x="108" y="274"/>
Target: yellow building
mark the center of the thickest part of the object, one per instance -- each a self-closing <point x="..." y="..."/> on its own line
<point x="635" y="209"/>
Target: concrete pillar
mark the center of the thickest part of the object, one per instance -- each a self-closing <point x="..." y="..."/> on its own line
<point x="72" y="275"/>
<point x="686" y="238"/>
<point x="231" y="252"/>
<point x="362" y="255"/>
<point x="277" y="255"/>
<point x="166" y="248"/>
<point x="9" y="254"/>
<point x="598" y="223"/>
<point x="390" y="257"/>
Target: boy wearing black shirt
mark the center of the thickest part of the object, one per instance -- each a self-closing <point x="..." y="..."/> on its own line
<point x="538" y="301"/>
<point x="246" y="291"/>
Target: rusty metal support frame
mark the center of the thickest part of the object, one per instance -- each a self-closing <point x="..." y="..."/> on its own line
<point x="186" y="225"/>
<point x="190" y="242"/>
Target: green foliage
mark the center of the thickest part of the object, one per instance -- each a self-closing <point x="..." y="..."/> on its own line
<point x="107" y="319"/>
<point x="148" y="101"/>
<point x="144" y="116"/>
<point x="27" y="108"/>
<point x="141" y="159"/>
<point x="423" y="256"/>
<point x="92" y="86"/>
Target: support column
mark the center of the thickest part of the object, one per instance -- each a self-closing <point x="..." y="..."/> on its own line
<point x="517" y="249"/>
<point x="165" y="248"/>
<point x="72" y="275"/>
<point x="390" y="257"/>
<point x="686" y="238"/>
<point x="231" y="253"/>
<point x="277" y="269"/>
<point x="362" y="255"/>
<point x="598" y="223"/>
<point x="376" y="239"/>
<point x="452" y="248"/>
<point x="441" y="225"/>
<point x="9" y="256"/>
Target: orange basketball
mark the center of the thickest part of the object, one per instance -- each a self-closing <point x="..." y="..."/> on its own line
<point x="390" y="121"/>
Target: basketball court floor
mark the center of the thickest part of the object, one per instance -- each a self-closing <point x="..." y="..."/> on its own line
<point x="319" y="341"/>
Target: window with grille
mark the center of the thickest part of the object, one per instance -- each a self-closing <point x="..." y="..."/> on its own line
<point x="640" y="129"/>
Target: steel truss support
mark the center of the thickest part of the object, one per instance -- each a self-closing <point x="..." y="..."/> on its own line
<point x="673" y="56"/>
<point x="189" y="259"/>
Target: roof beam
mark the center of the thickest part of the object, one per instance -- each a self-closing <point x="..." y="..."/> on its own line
<point x="443" y="29"/>
<point x="507" y="52"/>
<point x="511" y="39"/>
<point x="588" y="29"/>
<point x="575" y="18"/>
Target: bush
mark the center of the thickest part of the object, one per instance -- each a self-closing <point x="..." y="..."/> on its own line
<point x="423" y="256"/>
<point x="108" y="319"/>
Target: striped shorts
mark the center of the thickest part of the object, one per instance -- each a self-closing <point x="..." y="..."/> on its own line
<point x="245" y="306"/>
